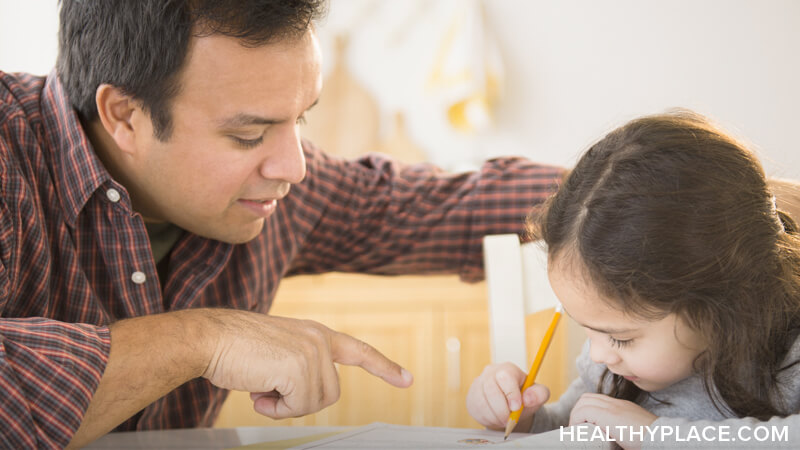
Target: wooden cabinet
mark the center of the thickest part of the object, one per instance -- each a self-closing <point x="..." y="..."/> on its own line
<point x="435" y="326"/>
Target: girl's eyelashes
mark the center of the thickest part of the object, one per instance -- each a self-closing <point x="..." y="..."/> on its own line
<point x="620" y="343"/>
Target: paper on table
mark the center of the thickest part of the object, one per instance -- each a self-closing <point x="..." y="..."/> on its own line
<point x="380" y="435"/>
<point x="286" y="443"/>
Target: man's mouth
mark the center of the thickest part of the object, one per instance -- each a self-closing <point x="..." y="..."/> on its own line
<point x="260" y="207"/>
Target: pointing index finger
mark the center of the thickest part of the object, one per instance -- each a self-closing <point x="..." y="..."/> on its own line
<point x="348" y="350"/>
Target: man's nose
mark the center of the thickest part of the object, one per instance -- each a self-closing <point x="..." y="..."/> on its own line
<point x="285" y="160"/>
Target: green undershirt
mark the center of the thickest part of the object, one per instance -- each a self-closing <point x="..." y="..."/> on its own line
<point x="163" y="236"/>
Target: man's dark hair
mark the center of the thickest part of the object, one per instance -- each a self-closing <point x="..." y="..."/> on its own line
<point x="139" y="46"/>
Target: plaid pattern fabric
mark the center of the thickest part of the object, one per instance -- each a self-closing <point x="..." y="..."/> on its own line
<point x="70" y="245"/>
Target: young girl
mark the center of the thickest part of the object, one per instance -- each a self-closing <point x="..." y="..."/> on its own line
<point x="665" y="244"/>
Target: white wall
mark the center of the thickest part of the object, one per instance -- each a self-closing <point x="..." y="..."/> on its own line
<point x="34" y="22"/>
<point x="577" y="68"/>
<point x="581" y="67"/>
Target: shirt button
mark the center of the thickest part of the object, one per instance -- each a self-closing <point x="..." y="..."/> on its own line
<point x="138" y="277"/>
<point x="113" y="195"/>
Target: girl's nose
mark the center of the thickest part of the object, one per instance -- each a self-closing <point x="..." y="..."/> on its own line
<point x="602" y="353"/>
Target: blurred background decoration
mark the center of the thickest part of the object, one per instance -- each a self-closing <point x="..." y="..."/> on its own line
<point x="430" y="73"/>
<point x="474" y="79"/>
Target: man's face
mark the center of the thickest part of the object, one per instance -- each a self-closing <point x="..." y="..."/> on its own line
<point x="235" y="146"/>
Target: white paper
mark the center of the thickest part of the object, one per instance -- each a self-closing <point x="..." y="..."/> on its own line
<point x="385" y="436"/>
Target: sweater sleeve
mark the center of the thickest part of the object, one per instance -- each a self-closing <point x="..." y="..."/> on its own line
<point x="554" y="415"/>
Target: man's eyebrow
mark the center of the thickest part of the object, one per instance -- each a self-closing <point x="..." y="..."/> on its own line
<point x="600" y="330"/>
<point x="244" y="120"/>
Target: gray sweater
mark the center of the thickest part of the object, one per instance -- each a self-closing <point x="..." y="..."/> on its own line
<point x="690" y="411"/>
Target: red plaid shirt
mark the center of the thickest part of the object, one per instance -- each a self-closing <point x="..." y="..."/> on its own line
<point x="70" y="244"/>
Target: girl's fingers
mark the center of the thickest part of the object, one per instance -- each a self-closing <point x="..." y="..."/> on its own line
<point x="510" y="388"/>
<point x="536" y="396"/>
<point x="496" y="399"/>
<point x="589" y="408"/>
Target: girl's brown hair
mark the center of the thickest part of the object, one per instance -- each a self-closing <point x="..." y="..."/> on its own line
<point x="671" y="215"/>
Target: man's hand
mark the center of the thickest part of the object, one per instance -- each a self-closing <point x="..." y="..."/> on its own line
<point x="605" y="411"/>
<point x="291" y="362"/>
<point x="288" y="364"/>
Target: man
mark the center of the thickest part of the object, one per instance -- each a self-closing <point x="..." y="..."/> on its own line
<point x="155" y="190"/>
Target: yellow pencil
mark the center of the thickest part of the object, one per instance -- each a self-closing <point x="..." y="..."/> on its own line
<point x="513" y="418"/>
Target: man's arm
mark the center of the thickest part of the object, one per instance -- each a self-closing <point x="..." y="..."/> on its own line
<point x="287" y="364"/>
<point x="787" y="196"/>
<point x="376" y="215"/>
<point x="149" y="357"/>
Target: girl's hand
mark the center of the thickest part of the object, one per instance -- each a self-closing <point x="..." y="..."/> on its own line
<point x="496" y="392"/>
<point x="605" y="411"/>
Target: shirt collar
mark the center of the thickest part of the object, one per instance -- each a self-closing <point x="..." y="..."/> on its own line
<point x="78" y="172"/>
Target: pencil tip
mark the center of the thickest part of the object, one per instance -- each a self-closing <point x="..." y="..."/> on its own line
<point x="509" y="426"/>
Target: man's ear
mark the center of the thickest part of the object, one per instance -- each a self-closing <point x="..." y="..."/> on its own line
<point x="115" y="110"/>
